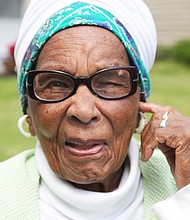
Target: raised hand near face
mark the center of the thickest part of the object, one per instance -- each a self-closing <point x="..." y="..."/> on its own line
<point x="170" y="132"/>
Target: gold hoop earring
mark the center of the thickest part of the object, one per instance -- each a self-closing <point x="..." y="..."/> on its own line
<point x="20" y="126"/>
<point x="142" y="123"/>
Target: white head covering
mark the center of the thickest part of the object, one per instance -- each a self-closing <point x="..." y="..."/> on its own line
<point x="134" y="15"/>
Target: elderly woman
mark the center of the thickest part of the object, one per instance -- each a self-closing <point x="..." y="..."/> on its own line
<point x="82" y="72"/>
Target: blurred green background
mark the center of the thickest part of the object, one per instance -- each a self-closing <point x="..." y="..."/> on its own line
<point x="11" y="140"/>
<point x="170" y="85"/>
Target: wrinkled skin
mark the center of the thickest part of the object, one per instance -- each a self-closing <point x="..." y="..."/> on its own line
<point x="83" y="118"/>
<point x="174" y="140"/>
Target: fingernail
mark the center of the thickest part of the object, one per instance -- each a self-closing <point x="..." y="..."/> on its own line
<point x="142" y="158"/>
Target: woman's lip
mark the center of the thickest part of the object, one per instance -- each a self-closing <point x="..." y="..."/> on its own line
<point x="85" y="148"/>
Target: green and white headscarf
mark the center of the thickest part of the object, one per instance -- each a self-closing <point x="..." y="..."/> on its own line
<point x="130" y="20"/>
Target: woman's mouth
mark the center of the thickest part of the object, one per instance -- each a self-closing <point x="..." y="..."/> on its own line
<point x="85" y="148"/>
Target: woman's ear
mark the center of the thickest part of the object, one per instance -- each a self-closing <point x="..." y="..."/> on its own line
<point x="138" y="120"/>
<point x="141" y="122"/>
<point x="30" y="123"/>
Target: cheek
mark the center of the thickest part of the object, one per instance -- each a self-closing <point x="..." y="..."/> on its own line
<point x="124" y="117"/>
<point x="124" y="123"/>
<point x="46" y="118"/>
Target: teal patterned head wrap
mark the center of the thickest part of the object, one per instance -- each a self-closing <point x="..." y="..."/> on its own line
<point x="80" y="13"/>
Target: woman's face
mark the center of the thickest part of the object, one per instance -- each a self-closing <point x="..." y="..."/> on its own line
<point x="85" y="139"/>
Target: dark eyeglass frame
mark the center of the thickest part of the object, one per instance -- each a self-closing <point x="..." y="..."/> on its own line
<point x="134" y="80"/>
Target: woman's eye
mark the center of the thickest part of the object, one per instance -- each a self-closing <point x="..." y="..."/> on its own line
<point x="58" y="84"/>
<point x="53" y="84"/>
<point x="111" y="84"/>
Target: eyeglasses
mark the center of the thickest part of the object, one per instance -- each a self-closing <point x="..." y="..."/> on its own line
<point x="56" y="86"/>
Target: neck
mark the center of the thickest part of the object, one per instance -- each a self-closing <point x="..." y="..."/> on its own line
<point x="109" y="185"/>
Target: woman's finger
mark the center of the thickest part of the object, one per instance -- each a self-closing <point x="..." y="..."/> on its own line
<point x="152" y="136"/>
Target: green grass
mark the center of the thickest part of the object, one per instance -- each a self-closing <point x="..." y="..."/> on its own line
<point x="170" y="85"/>
<point x="11" y="140"/>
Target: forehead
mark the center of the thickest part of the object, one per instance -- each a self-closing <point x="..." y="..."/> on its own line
<point x="89" y="45"/>
<point x="86" y="32"/>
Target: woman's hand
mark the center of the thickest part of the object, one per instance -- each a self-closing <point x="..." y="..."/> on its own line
<point x="173" y="140"/>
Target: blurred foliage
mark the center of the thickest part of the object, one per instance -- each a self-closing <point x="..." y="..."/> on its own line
<point x="179" y="52"/>
<point x="163" y="53"/>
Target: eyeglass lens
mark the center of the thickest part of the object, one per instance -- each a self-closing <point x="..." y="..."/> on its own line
<point x="52" y="86"/>
<point x="112" y="84"/>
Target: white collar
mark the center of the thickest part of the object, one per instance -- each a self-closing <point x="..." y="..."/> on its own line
<point x="64" y="201"/>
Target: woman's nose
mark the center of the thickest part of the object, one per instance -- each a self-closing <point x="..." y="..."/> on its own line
<point x="83" y="107"/>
